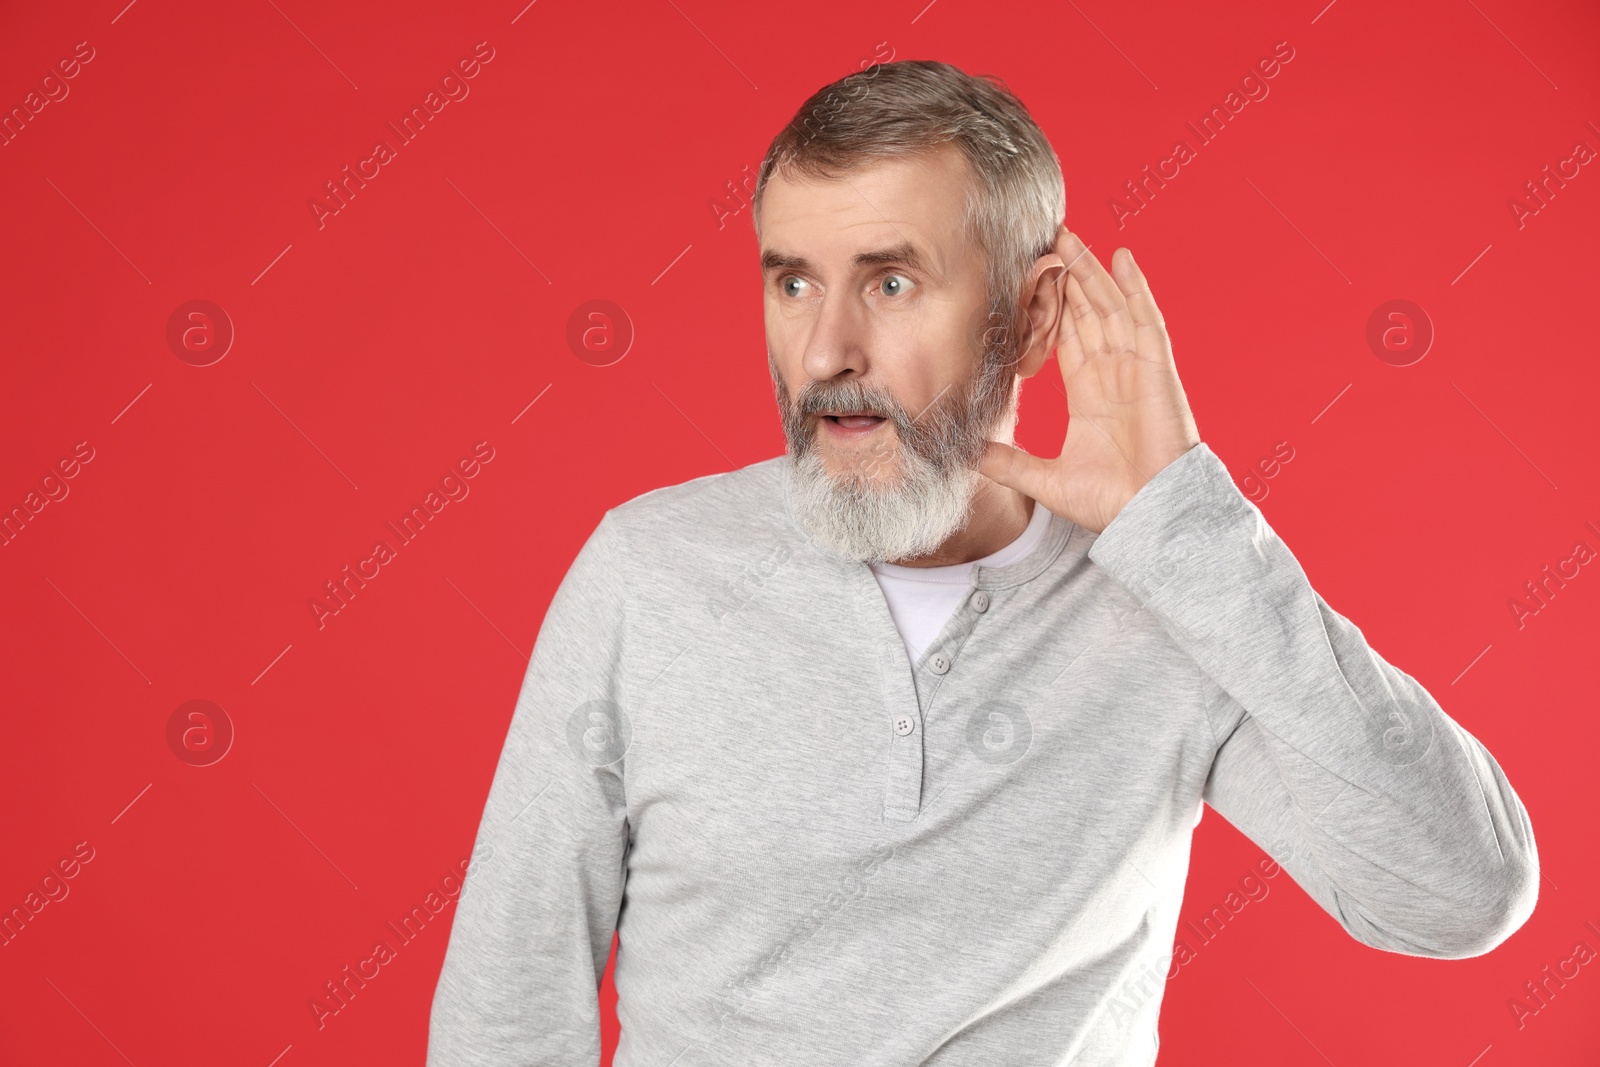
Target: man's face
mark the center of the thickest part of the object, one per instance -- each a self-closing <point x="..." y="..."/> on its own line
<point x="875" y="310"/>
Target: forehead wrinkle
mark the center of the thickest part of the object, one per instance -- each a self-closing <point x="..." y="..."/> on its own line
<point x="935" y="267"/>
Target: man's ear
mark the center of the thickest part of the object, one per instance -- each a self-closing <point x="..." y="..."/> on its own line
<point x="1043" y="300"/>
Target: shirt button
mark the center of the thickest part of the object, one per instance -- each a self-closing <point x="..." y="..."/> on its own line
<point x="904" y="724"/>
<point x="980" y="601"/>
<point x="939" y="663"/>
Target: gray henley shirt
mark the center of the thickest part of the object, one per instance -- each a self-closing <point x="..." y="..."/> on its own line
<point x="815" y="852"/>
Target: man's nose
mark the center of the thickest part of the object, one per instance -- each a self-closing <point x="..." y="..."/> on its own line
<point x="836" y="344"/>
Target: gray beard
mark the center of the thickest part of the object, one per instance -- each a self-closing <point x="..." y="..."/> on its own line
<point x="858" y="522"/>
<point x="910" y="493"/>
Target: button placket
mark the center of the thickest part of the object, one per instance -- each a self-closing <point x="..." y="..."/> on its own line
<point x="901" y="705"/>
<point x="938" y="663"/>
<point x="909" y="691"/>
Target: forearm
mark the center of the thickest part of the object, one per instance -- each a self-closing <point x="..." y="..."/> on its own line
<point x="1388" y="811"/>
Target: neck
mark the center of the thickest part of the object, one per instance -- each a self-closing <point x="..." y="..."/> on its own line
<point x="998" y="517"/>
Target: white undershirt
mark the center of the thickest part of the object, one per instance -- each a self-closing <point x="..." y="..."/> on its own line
<point x="922" y="599"/>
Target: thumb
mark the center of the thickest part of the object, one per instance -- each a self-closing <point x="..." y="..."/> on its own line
<point x="1013" y="468"/>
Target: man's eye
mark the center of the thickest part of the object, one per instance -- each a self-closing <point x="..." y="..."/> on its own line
<point x="788" y="284"/>
<point x="896" y="284"/>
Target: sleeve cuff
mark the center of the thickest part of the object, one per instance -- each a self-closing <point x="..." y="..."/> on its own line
<point x="1169" y="520"/>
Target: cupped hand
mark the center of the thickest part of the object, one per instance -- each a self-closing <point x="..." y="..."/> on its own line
<point x="1128" y="416"/>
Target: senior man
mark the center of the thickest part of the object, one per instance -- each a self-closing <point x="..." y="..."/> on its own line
<point x="889" y="750"/>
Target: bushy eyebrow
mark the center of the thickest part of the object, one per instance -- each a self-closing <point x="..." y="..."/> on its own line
<point x="905" y="254"/>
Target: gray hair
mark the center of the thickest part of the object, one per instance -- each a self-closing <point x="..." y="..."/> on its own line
<point x="1016" y="201"/>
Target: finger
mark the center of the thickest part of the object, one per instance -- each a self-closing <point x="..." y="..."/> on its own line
<point x="1014" y="468"/>
<point x="1148" y="323"/>
<point x="1086" y="322"/>
<point x="1102" y="290"/>
<point x="1069" y="344"/>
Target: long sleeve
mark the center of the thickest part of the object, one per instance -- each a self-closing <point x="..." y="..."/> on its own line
<point x="534" y="922"/>
<point x="1392" y="816"/>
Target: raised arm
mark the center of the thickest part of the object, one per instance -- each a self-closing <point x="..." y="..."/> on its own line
<point x="1341" y="766"/>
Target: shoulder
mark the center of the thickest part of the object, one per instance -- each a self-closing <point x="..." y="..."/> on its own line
<point x="706" y="523"/>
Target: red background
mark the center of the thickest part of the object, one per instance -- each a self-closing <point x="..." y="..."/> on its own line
<point x="375" y="350"/>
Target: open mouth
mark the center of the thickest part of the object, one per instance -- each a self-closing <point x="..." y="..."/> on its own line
<point x="854" y="421"/>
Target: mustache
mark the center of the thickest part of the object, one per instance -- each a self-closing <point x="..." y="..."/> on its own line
<point x="818" y="397"/>
<point x="948" y="430"/>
